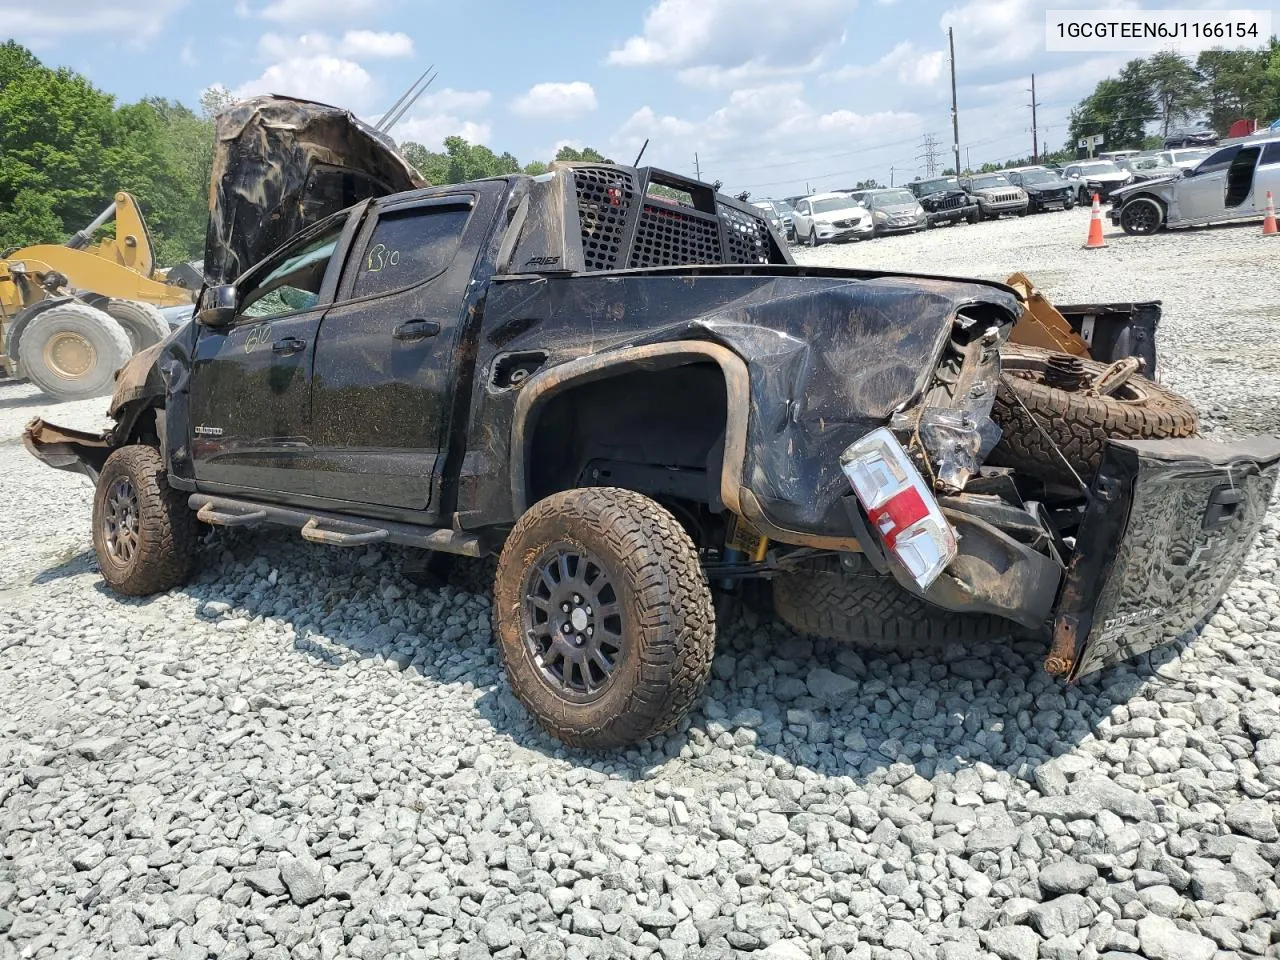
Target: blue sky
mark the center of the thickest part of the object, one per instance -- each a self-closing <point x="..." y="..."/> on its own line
<point x="773" y="95"/>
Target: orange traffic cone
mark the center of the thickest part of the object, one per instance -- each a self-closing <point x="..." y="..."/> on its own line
<point x="1095" y="227"/>
<point x="1269" y="224"/>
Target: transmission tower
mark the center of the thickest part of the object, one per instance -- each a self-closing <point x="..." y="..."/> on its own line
<point x="929" y="155"/>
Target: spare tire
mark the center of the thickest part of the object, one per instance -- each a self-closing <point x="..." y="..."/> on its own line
<point x="144" y="324"/>
<point x="1077" y="424"/>
<point x="72" y="351"/>
<point x="873" y="612"/>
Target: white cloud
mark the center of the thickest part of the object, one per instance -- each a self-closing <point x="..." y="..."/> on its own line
<point x="907" y="63"/>
<point x="328" y="79"/>
<point x="555" y="101"/>
<point x="361" y="44"/>
<point x="370" y="43"/>
<point x="431" y="130"/>
<point x="41" y="23"/>
<point x="733" y="33"/>
<point x="315" y="11"/>
<point x="188" y="56"/>
<point x="449" y="100"/>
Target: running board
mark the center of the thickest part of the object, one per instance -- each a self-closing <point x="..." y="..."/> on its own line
<point x="334" y="529"/>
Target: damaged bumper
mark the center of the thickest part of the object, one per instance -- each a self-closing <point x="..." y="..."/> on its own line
<point x="65" y="449"/>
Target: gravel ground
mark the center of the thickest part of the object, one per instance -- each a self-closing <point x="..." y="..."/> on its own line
<point x="303" y="755"/>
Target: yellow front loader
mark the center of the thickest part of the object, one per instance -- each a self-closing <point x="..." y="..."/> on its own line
<point x="72" y="314"/>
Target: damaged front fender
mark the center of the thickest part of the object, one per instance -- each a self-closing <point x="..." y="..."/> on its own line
<point x="65" y="449"/>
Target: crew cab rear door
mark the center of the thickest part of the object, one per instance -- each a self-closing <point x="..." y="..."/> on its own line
<point x="384" y="372"/>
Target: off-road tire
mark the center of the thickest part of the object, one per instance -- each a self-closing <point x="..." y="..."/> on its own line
<point x="110" y="350"/>
<point x="873" y="613"/>
<point x="166" y="528"/>
<point x="1142" y="216"/>
<point x="667" y="619"/>
<point x="973" y="217"/>
<point x="1078" y="424"/>
<point x="144" y="323"/>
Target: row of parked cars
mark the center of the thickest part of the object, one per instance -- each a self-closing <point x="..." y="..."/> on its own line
<point x="859" y="214"/>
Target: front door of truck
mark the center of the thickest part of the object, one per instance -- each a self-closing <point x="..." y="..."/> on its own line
<point x="251" y="380"/>
<point x="384" y="370"/>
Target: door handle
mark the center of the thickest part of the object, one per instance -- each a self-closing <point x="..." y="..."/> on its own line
<point x="288" y="346"/>
<point x="416" y="330"/>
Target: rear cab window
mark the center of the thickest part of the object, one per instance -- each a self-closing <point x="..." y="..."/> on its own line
<point x="409" y="246"/>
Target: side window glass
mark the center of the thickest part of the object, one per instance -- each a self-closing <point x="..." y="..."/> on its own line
<point x="1218" y="161"/>
<point x="1271" y="152"/>
<point x="294" y="283"/>
<point x="409" y="247"/>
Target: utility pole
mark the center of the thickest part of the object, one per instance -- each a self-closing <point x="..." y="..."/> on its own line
<point x="968" y="164"/>
<point x="955" y="110"/>
<point x="696" y="165"/>
<point x="1035" y="134"/>
<point x="891" y="169"/>
<point x="929" y="154"/>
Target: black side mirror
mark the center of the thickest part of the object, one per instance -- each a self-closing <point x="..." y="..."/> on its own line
<point x="217" y="305"/>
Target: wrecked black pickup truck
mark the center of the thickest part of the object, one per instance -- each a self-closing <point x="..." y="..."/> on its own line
<point x="635" y="396"/>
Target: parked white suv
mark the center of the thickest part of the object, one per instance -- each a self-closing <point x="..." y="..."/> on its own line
<point x="825" y="217"/>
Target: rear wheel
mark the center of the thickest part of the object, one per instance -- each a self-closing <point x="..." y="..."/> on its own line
<point x="873" y="612"/>
<point x="1043" y="392"/>
<point x="144" y="324"/>
<point x="1141" y="216"/>
<point x="604" y="619"/>
<point x="143" y="532"/>
<point x="71" y="351"/>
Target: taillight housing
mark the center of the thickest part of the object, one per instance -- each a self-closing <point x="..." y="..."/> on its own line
<point x="902" y="509"/>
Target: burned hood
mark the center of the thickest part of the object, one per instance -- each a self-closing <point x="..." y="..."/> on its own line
<point x="281" y="164"/>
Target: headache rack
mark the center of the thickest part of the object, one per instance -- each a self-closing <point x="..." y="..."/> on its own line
<point x="599" y="217"/>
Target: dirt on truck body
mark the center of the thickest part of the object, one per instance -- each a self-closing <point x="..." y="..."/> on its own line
<point x="635" y="401"/>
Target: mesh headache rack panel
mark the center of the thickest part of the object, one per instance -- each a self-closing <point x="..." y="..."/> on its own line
<point x="624" y="224"/>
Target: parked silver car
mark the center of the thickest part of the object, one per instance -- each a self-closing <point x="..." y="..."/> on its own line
<point x="1230" y="184"/>
<point x="996" y="195"/>
<point x="781" y="215"/>
<point x="895" y="210"/>
<point x="1185" y="158"/>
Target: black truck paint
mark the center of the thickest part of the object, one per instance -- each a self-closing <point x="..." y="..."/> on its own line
<point x="442" y="358"/>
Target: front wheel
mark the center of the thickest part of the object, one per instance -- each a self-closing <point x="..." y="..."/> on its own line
<point x="1084" y="198"/>
<point x="813" y="236"/>
<point x="72" y="350"/>
<point x="973" y="217"/>
<point x="143" y="532"/>
<point x="604" y="619"/>
<point x="1141" y="216"/>
<point x="1069" y="203"/>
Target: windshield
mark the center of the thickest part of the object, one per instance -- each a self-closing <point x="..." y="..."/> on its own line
<point x="890" y="197"/>
<point x="1146" y="163"/>
<point x="1040" y="176"/>
<point x="831" y="204"/>
<point x="783" y="207"/>
<point x="937" y="186"/>
<point x="990" y="180"/>
<point x="1102" y="166"/>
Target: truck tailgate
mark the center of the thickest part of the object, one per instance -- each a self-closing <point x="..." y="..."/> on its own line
<point x="1166" y="531"/>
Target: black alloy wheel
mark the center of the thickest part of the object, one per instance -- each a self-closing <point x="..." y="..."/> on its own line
<point x="572" y="622"/>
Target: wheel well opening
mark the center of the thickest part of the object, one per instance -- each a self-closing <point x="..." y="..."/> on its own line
<point x="658" y="432"/>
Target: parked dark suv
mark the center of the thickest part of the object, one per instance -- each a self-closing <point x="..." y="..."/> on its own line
<point x="945" y="201"/>
<point x="1191" y="137"/>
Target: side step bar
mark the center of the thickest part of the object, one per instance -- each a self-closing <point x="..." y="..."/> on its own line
<point x="318" y="526"/>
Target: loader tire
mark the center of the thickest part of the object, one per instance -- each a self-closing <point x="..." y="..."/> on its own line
<point x="144" y="324"/>
<point x="1077" y="424"/>
<point x="873" y="613"/>
<point x="72" y="351"/>
<point x="143" y="531"/>
<point x="604" y="620"/>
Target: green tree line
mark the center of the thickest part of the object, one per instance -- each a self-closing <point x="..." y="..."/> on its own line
<point x="69" y="147"/>
<point x="1167" y="90"/>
